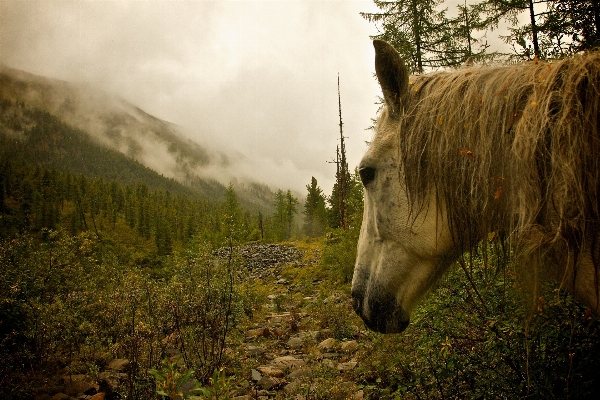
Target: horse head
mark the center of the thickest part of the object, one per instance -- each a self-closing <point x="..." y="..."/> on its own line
<point x="511" y="154"/>
<point x="402" y="250"/>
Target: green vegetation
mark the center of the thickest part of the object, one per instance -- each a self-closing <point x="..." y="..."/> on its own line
<point x="427" y="37"/>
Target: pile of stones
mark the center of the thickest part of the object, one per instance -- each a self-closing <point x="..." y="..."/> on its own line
<point x="261" y="258"/>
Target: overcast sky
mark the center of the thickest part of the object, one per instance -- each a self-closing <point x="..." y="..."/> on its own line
<point x="257" y="77"/>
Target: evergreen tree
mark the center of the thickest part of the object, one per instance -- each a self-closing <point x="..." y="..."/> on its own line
<point x="234" y="225"/>
<point x="462" y="46"/>
<point x="556" y="28"/>
<point x="315" y="214"/>
<point x="571" y="26"/>
<point x="283" y="219"/>
<point x="416" y="29"/>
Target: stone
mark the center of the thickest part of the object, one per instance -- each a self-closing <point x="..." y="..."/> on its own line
<point x="118" y="364"/>
<point x="77" y="387"/>
<point x="288" y="362"/>
<point x="258" y="332"/>
<point x="256" y="376"/>
<point x="350" y="346"/>
<point x="270" y="371"/>
<point x="254" y="351"/>
<point x="99" y="396"/>
<point x="328" y="345"/>
<point x="295" y="342"/>
<point x="268" y="382"/>
<point x="347" y="366"/>
<point x="61" y="396"/>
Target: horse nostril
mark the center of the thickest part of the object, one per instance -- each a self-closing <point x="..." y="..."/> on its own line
<point x="357" y="302"/>
<point x="367" y="174"/>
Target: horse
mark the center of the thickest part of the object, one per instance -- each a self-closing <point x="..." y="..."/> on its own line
<point x="462" y="160"/>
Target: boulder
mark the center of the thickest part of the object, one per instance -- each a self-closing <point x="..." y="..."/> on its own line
<point x="350" y="346"/>
<point x="118" y="364"/>
<point x="288" y="363"/>
<point x="267" y="370"/>
<point x="328" y="345"/>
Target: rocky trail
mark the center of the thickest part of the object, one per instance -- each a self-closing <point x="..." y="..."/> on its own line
<point x="303" y="342"/>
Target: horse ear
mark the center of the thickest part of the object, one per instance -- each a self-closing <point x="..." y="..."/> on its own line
<point x="392" y="75"/>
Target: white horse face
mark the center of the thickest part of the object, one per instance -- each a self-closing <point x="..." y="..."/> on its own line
<point x="400" y="254"/>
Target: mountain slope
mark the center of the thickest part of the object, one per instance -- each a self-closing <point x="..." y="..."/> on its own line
<point x="110" y="125"/>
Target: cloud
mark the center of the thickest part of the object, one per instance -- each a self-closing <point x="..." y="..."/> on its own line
<point x="254" y="78"/>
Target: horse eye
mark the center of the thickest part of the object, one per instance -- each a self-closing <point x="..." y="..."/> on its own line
<point x="367" y="175"/>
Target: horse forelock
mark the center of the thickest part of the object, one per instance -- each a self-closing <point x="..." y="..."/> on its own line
<point x="510" y="150"/>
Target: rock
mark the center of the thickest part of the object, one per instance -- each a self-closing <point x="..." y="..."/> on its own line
<point x="277" y="332"/>
<point x="350" y="346"/>
<point x="299" y="373"/>
<point x="61" y="396"/>
<point x="347" y="366"/>
<point x="256" y="376"/>
<point x="254" y="351"/>
<point x="328" y="345"/>
<point x="282" y="282"/>
<point x="118" y="364"/>
<point x="359" y="395"/>
<point x="260" y="258"/>
<point x="295" y="342"/>
<point x="288" y="362"/>
<point x="77" y="387"/>
<point x="99" y="396"/>
<point x="268" y="382"/>
<point x="270" y="371"/>
<point x="76" y="378"/>
<point x="109" y="381"/>
<point x="257" y="332"/>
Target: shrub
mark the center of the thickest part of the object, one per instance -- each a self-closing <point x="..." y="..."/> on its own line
<point x="70" y="298"/>
<point x="339" y="254"/>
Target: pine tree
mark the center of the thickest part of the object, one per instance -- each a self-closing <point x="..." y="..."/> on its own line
<point x="283" y="219"/>
<point x="315" y="217"/>
<point x="338" y="212"/>
<point x="416" y="29"/>
<point x="233" y="225"/>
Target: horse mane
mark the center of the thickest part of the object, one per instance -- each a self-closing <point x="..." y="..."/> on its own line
<point x="512" y="153"/>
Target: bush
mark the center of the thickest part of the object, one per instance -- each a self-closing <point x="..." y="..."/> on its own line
<point x="339" y="254"/>
<point x="69" y="298"/>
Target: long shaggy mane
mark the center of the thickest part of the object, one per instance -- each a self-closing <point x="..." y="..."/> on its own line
<point x="513" y="154"/>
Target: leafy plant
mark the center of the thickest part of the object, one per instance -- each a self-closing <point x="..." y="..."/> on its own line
<point x="169" y="380"/>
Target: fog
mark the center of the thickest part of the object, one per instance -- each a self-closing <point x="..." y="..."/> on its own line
<point x="254" y="79"/>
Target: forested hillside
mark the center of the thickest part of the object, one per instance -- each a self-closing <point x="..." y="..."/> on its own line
<point x="80" y="129"/>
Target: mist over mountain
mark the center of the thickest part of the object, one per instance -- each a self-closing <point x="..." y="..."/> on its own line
<point x="112" y="125"/>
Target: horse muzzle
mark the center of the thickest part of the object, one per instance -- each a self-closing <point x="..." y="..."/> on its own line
<point x="379" y="311"/>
